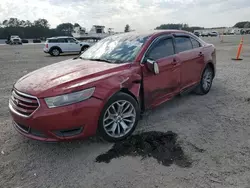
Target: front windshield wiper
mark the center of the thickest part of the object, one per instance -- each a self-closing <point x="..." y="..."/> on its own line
<point x="104" y="60"/>
<point x="100" y="59"/>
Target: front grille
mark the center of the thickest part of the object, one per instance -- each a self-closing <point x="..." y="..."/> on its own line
<point x="23" y="104"/>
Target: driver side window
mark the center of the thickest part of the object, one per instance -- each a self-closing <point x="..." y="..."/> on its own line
<point x="162" y="49"/>
<point x="71" y="40"/>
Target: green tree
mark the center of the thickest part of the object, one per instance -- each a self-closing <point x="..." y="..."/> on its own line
<point x="247" y="25"/>
<point x="28" y="23"/>
<point x="65" y="28"/>
<point x="22" y="23"/>
<point x="41" y="23"/>
<point x="5" y="23"/>
<point x="170" y="26"/>
<point x="127" y="28"/>
<point x="76" y="25"/>
<point x="12" y="22"/>
<point x="179" y="26"/>
<point x="241" y="24"/>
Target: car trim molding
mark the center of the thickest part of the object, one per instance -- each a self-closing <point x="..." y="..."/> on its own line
<point x="27" y="95"/>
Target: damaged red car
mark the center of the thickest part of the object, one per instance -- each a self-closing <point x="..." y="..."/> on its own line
<point x="106" y="88"/>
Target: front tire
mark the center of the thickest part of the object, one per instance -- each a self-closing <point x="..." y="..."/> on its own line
<point x="206" y="81"/>
<point x="119" y="117"/>
<point x="83" y="49"/>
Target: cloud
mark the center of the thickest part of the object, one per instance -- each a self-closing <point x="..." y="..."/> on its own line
<point x="139" y="14"/>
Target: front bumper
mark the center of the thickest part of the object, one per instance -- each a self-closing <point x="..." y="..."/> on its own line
<point x="71" y="122"/>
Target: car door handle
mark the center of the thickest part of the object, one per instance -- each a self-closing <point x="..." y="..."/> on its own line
<point x="201" y="54"/>
<point x="174" y="62"/>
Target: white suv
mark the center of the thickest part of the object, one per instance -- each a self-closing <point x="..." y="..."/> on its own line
<point x="57" y="45"/>
<point x="14" y="39"/>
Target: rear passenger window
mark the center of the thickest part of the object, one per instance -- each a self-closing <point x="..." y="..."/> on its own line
<point x="52" y="40"/>
<point x="163" y="48"/>
<point x="62" y="40"/>
<point x="195" y="43"/>
<point x="183" y="44"/>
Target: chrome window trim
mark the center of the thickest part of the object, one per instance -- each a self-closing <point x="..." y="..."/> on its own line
<point x="157" y="38"/>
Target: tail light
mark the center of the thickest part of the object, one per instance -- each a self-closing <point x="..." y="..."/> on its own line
<point x="46" y="45"/>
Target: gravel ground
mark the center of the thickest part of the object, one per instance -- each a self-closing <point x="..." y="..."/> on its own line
<point x="213" y="131"/>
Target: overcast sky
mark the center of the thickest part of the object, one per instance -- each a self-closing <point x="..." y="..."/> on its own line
<point x="139" y="14"/>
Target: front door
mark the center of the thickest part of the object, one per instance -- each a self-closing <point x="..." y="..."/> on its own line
<point x="190" y="54"/>
<point x="74" y="45"/>
<point x="163" y="86"/>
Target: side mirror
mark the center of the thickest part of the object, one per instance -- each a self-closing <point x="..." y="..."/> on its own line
<point x="153" y="66"/>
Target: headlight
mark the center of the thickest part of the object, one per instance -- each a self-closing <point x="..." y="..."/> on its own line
<point x="70" y="98"/>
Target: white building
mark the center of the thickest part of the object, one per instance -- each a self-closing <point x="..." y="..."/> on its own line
<point x="97" y="31"/>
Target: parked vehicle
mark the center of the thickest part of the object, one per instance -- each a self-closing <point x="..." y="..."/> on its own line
<point x="14" y="39"/>
<point x="106" y="88"/>
<point x="213" y="34"/>
<point x="37" y="41"/>
<point x="25" y="41"/>
<point x="197" y="33"/>
<point x="57" y="45"/>
<point x="204" y="34"/>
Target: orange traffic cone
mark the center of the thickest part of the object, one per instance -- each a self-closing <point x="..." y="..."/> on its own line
<point x="239" y="51"/>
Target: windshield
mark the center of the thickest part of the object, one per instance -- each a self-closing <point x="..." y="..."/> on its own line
<point x="116" y="49"/>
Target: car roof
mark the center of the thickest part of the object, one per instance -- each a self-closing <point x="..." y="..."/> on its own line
<point x="60" y="37"/>
<point x="150" y="33"/>
<point x="154" y="32"/>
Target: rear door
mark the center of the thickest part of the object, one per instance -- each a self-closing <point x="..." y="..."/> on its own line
<point x="163" y="86"/>
<point x="62" y="43"/>
<point x="189" y="51"/>
<point x="74" y="45"/>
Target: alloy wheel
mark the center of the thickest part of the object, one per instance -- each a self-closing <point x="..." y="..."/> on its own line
<point x="55" y="52"/>
<point x="207" y="79"/>
<point x="119" y="118"/>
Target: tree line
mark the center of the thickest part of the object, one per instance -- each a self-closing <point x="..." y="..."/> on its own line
<point x="41" y="28"/>
<point x="38" y="29"/>
<point x="245" y="24"/>
<point x="186" y="27"/>
<point x="179" y="26"/>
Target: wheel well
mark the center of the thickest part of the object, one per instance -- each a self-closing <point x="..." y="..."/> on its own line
<point x="139" y="101"/>
<point x="125" y="90"/>
<point x="85" y="46"/>
<point x="55" y="47"/>
<point x="210" y="64"/>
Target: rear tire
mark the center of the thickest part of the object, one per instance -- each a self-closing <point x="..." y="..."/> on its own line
<point x="118" y="118"/>
<point x="206" y="81"/>
<point x="55" y="52"/>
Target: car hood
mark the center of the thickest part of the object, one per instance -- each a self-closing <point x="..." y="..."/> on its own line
<point x="65" y="76"/>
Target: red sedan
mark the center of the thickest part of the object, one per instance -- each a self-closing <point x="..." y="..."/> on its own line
<point x="106" y="88"/>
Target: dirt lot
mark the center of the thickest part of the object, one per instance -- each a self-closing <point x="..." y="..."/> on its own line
<point x="213" y="131"/>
